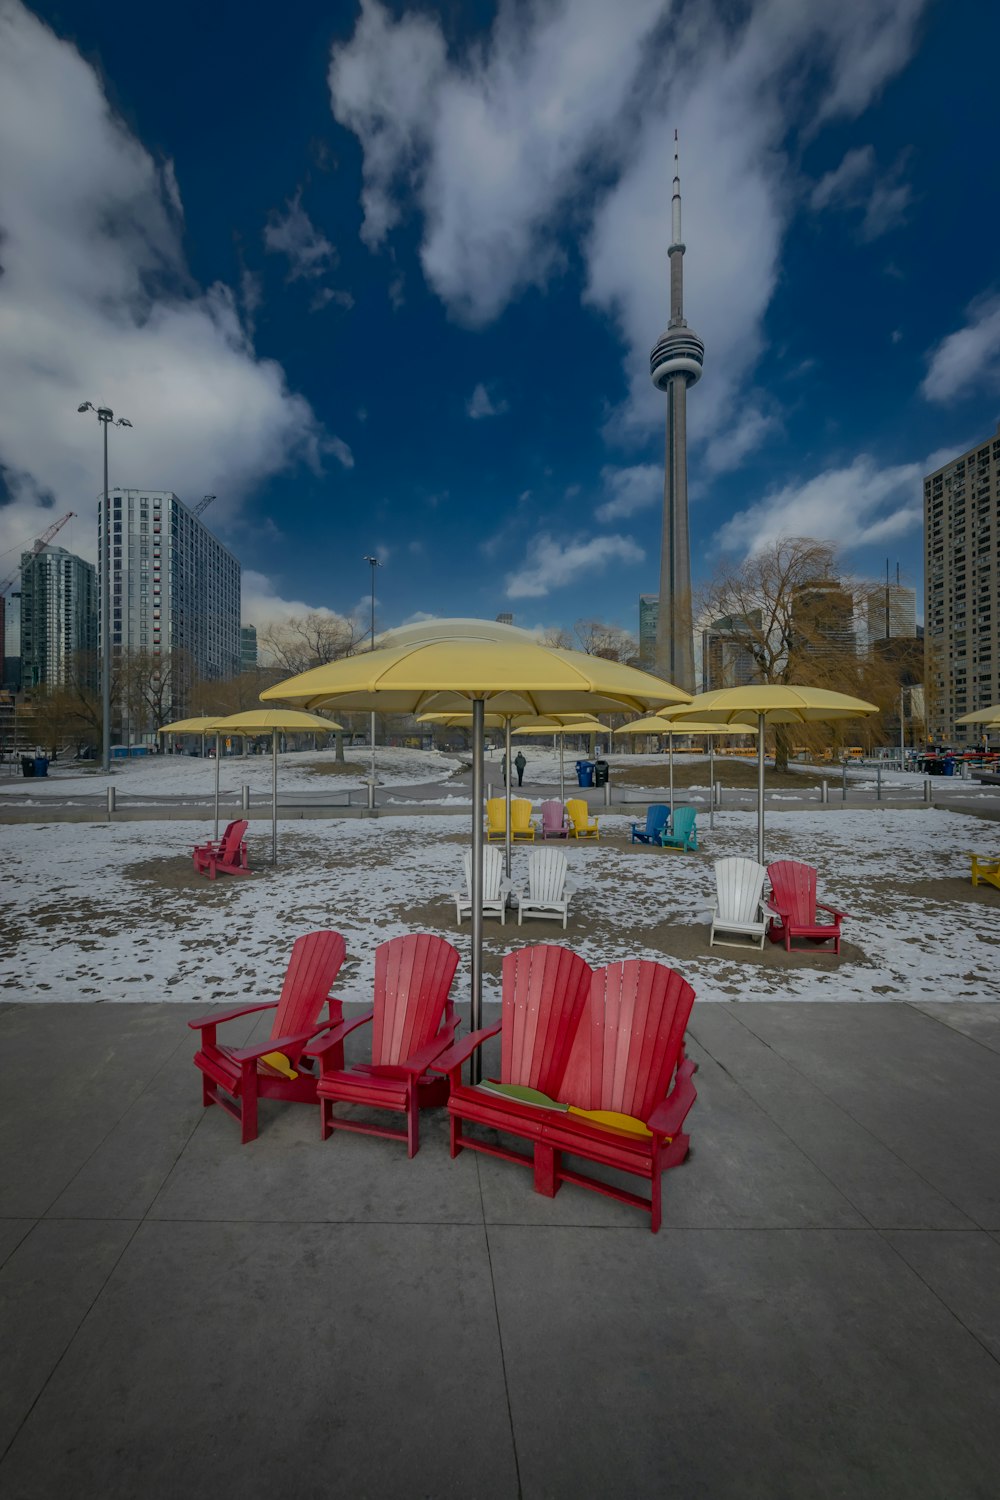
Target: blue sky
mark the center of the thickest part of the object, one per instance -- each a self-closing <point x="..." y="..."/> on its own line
<point x="386" y="278"/>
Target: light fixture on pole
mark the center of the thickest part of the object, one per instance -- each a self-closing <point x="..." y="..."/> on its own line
<point x="373" y="563"/>
<point x="106" y="417"/>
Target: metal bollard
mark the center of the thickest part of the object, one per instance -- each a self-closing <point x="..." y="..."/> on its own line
<point x="843" y="786"/>
<point x="824" y="795"/>
<point x="607" y="794"/>
<point x="489" y="790"/>
<point x="245" y="799"/>
<point x="718" y="794"/>
<point x="111" y="800"/>
<point x="371" y="794"/>
<point x="927" y="789"/>
<point x="878" y="782"/>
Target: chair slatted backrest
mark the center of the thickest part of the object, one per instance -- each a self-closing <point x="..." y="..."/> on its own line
<point x="545" y="989"/>
<point x="630" y="1038"/>
<point x="657" y="817"/>
<point x="553" y="817"/>
<point x="314" y="965"/>
<point x="547" y="875"/>
<point x="579" y="812"/>
<point x="492" y="872"/>
<point x="520" y="815"/>
<point x="738" y="884"/>
<point x="229" y="844"/>
<point x="413" y="976"/>
<point x="682" y="826"/>
<point x="496" y="814"/>
<point x="794" y="887"/>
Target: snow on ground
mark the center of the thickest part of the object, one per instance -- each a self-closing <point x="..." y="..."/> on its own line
<point x="179" y="775"/>
<point x="115" y="912"/>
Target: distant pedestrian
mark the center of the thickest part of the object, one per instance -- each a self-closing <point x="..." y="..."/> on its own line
<point x="519" y="765"/>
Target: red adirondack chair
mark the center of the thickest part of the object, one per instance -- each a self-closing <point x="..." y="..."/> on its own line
<point x="228" y="854"/>
<point x="793" y="898"/>
<point x="236" y="1078"/>
<point x="600" y="1048"/>
<point x="413" y="976"/>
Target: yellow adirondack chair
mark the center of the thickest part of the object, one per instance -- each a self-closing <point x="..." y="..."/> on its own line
<point x="987" y="870"/>
<point x="521" y="826"/>
<point x="496" y="818"/>
<point x="579" y="816"/>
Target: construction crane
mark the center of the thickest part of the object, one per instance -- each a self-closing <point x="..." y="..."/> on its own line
<point x="203" y="504"/>
<point x="41" y="541"/>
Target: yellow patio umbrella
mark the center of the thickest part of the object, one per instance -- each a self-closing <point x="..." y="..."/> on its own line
<point x="988" y="717"/>
<point x="273" y="721"/>
<point x="567" y="724"/>
<point x="765" y="703"/>
<point x="445" y="666"/>
<point x="200" y="725"/>
<point x="661" y="724"/>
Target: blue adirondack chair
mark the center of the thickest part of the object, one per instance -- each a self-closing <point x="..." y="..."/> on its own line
<point x="656" y="821"/>
<point x="683" y="833"/>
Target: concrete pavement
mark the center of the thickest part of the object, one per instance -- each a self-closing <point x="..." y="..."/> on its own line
<point x="819" y="1316"/>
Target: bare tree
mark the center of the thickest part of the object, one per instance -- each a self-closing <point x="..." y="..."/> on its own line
<point x="790" y="612"/>
<point x="302" y="642"/>
<point x="609" y="641"/>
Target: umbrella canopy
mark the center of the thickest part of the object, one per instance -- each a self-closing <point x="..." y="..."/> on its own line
<point x="990" y="717"/>
<point x="763" y="703"/>
<point x="273" y="721"/>
<point x="442" y="666"/>
<point x="202" y="725"/>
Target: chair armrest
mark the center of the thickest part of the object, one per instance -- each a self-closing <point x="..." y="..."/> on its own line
<point x="281" y="1043"/>
<point x="451" y="1061"/>
<point x="833" y="910"/>
<point x="669" y="1115"/>
<point x="782" y="911"/>
<point x="337" y="1035"/>
<point x="422" y="1059"/>
<point x="231" y="1015"/>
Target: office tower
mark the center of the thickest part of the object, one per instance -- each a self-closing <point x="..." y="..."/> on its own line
<point x="505" y="619"/>
<point x="174" y="586"/>
<point x="649" y="614"/>
<point x="58" y="617"/>
<point x="727" y="658"/>
<point x="892" y="613"/>
<point x="674" y="364"/>
<point x="962" y="590"/>
<point x="248" y="648"/>
<point x="822" y="620"/>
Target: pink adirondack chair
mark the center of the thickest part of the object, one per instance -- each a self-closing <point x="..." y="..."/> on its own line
<point x="413" y="1021"/>
<point x="555" y="824"/>
<point x="235" y="1078"/>
<point x="587" y="1061"/>
<point x="228" y="855"/>
<point x="793" y="898"/>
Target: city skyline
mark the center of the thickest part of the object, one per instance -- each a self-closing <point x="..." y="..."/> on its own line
<point x="422" y="331"/>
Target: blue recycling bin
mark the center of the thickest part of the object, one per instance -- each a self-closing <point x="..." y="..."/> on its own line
<point x="41" y="765"/>
<point x="585" y="772"/>
<point x="949" y="766"/>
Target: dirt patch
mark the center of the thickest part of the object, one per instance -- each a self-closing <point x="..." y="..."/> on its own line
<point x="954" y="888"/>
<point x="732" y="773"/>
<point x="336" y="767"/>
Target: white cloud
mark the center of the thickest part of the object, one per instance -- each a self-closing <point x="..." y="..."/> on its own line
<point x="633" y="489"/>
<point x="482" y="404"/>
<point x="727" y="451"/>
<point x="492" y="146"/>
<point x="967" y="358"/>
<point x="853" y="506"/>
<point x="96" y="303"/>
<point x="293" y="234"/>
<point x="842" y="184"/>
<point x="552" y="564"/>
<point x="854" y="184"/>
<point x="264" y="607"/>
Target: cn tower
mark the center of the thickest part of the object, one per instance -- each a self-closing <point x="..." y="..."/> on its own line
<point x="674" y="364"/>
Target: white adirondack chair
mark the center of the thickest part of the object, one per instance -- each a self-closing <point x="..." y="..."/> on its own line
<point x="495" y="886"/>
<point x="547" y="895"/>
<point x="739" y="885"/>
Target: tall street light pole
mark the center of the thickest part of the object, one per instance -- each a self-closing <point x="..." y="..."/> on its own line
<point x="106" y="417"/>
<point x="373" y="563"/>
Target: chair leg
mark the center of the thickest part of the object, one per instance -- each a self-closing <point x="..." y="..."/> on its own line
<point x="325" y="1119"/>
<point x="248" y="1103"/>
<point x="546" y="1170"/>
<point x="206" y="1092"/>
<point x="455" y="1136"/>
<point x="656" y="1199"/>
<point x="413" y="1120"/>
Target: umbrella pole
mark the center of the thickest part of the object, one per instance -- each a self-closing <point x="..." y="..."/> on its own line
<point x="760" y="789"/>
<point x="562" y="768"/>
<point x="216" y="834"/>
<point x="274" y="796"/>
<point x="670" y="741"/>
<point x="510" y="768"/>
<point x="711" y="781"/>
<point x="476" y="1006"/>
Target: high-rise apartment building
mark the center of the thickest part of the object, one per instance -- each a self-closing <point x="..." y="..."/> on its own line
<point x="58" y="616"/>
<point x="248" y="648"/>
<point x="649" y="615"/>
<point x="962" y="590"/>
<point x="892" y="613"/>
<point x="174" y="586"/>
<point x="727" y="658"/>
<point x="10" y="612"/>
<point x="505" y="619"/>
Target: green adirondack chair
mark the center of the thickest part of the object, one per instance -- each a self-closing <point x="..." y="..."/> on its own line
<point x="682" y="834"/>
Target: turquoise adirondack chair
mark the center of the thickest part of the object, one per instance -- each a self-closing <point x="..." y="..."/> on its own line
<point x="683" y="834"/>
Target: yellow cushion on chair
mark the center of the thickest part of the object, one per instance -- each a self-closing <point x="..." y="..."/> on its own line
<point x="279" y="1062"/>
<point x="613" y="1118"/>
